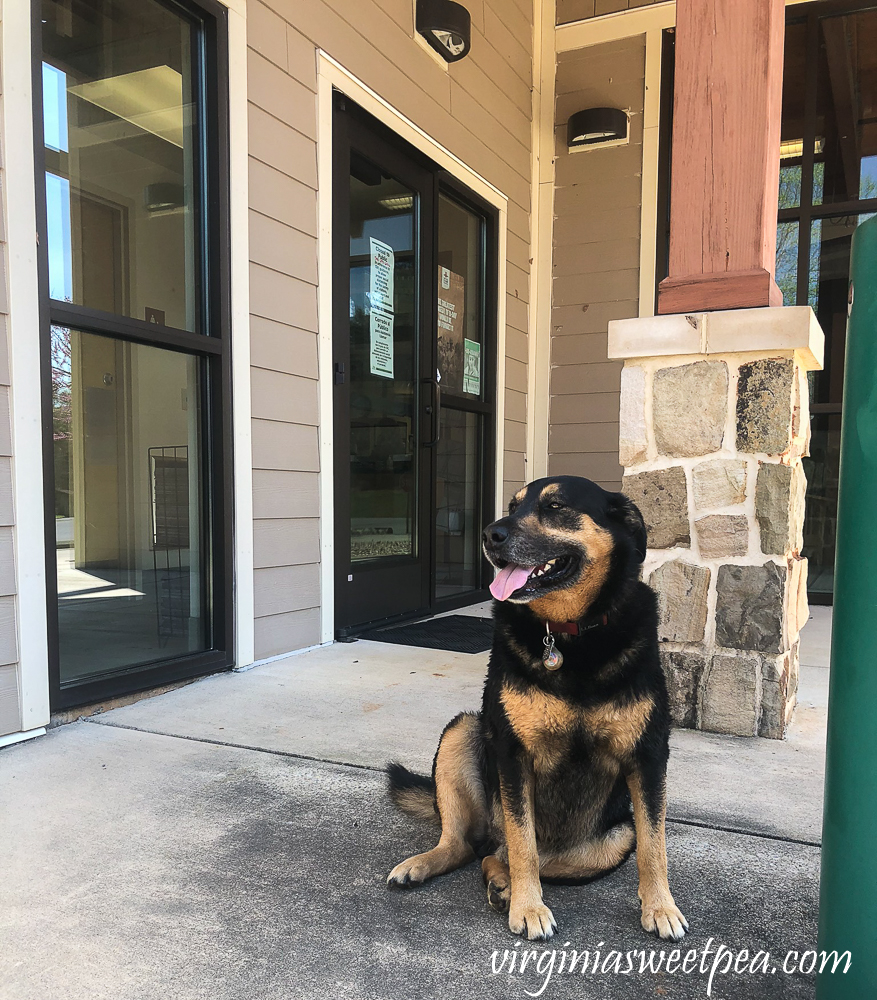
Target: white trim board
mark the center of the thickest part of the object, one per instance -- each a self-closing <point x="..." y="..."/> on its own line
<point x="542" y="230"/>
<point x="332" y="75"/>
<point x="243" y="559"/>
<point x="12" y="738"/>
<point x="648" y="244"/>
<point x="612" y="27"/>
<point x="25" y="366"/>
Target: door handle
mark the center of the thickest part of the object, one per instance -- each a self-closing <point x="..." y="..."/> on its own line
<point x="435" y="409"/>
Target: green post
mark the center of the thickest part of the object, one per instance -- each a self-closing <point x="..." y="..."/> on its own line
<point x="848" y="896"/>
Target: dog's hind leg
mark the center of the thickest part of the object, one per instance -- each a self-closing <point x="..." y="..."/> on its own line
<point x="592" y="857"/>
<point x="461" y="801"/>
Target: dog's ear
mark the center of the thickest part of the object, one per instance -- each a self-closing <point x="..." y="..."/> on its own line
<point x="626" y="513"/>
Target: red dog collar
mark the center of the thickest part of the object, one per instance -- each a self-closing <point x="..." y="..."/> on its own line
<point x="572" y="628"/>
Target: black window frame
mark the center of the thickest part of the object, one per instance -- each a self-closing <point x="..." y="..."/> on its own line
<point x="210" y="21"/>
<point x="822" y="406"/>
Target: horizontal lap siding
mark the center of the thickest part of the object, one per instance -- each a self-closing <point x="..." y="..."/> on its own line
<point x="480" y="109"/>
<point x="596" y="258"/>
<point x="282" y="83"/>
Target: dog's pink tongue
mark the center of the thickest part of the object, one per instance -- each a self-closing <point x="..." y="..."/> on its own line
<point x="509" y="580"/>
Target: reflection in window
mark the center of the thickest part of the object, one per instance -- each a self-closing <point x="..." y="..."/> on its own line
<point x="787" y="261"/>
<point x="54" y="109"/>
<point x="457" y="526"/>
<point x="868" y="177"/>
<point x="58" y="217"/>
<point x="383" y="365"/>
<point x="790" y="185"/>
<point x="128" y="504"/>
<point x="460" y="298"/>
<point x="846" y="106"/>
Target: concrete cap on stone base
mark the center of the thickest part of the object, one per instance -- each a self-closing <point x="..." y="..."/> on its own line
<point x="792" y="329"/>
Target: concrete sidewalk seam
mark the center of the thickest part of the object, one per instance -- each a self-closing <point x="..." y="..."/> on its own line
<point x="371" y="767"/>
<point x="746" y="833"/>
<point x="236" y="746"/>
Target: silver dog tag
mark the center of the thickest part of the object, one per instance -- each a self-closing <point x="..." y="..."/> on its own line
<point x="551" y="657"/>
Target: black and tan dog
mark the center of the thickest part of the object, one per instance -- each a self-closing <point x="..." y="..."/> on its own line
<point x="574" y="725"/>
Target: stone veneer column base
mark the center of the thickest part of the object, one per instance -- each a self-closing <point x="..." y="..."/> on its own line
<point x="714" y="424"/>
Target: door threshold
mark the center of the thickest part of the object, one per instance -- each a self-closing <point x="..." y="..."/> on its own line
<point x="444" y="607"/>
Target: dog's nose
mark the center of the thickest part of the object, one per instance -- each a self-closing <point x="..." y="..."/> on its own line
<point x="495" y="534"/>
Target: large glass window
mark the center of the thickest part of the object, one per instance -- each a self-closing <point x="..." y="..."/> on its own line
<point x="128" y="503"/>
<point x="120" y="133"/>
<point x="828" y="186"/>
<point x="136" y="450"/>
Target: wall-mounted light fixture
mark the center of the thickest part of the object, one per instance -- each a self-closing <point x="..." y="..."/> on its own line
<point x="447" y="27"/>
<point x="597" y="127"/>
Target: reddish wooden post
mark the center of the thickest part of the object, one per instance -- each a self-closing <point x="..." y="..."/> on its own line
<point x="726" y="143"/>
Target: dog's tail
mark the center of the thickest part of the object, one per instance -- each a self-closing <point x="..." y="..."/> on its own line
<point x="412" y="793"/>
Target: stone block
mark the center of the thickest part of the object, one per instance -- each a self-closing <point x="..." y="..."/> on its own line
<point x="682" y="606"/>
<point x="797" y="507"/>
<point x="773" y="489"/>
<point x="799" y="396"/>
<point x="632" y="441"/>
<point x="794" y="674"/>
<point x="797" y="605"/>
<point x="721" y="482"/>
<point x="764" y="406"/>
<point x="750" y="607"/>
<point x="731" y="695"/>
<point x="775" y="710"/>
<point x="662" y="498"/>
<point x="779" y="507"/>
<point x="689" y="408"/>
<point x="720" y="535"/>
<point x="683" y="671"/>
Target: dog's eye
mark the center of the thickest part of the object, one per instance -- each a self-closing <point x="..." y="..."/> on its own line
<point x="512" y="507"/>
<point x="555" y="505"/>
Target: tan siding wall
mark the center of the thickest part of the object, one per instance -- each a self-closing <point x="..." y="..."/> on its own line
<point x="281" y="82"/>
<point x="596" y="260"/>
<point x="10" y="710"/>
<point x="580" y="10"/>
<point x="480" y="109"/>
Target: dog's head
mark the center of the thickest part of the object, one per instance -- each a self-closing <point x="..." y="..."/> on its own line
<point x="560" y="542"/>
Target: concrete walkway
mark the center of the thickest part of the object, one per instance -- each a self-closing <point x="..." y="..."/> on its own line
<point x="230" y="839"/>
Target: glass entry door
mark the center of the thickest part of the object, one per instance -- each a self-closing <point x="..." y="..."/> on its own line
<point x="412" y="400"/>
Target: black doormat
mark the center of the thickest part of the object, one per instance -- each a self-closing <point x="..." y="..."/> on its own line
<point x="457" y="633"/>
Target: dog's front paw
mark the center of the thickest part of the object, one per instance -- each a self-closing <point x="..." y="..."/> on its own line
<point x="535" y="921"/>
<point x="664" y="919"/>
<point x="414" y="871"/>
